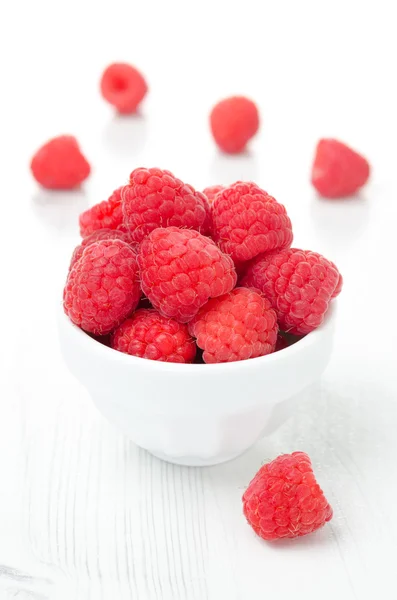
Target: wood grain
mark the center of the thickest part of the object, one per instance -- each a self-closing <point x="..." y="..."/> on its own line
<point x="104" y="518"/>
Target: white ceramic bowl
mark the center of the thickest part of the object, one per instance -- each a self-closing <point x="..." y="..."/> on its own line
<point x="196" y="414"/>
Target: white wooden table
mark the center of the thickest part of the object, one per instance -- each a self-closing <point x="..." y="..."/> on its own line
<point x="84" y="514"/>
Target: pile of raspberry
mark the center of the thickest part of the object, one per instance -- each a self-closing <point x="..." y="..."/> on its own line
<point x="167" y="273"/>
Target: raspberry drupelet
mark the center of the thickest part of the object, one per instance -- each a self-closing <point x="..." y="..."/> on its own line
<point x="181" y="269"/>
<point x="247" y="221"/>
<point x="299" y="284"/>
<point x="149" y="335"/>
<point x="96" y="236"/>
<point x="211" y="192"/>
<point x="107" y="214"/>
<point x="155" y="198"/>
<point x="102" y="288"/>
<point x="236" y="326"/>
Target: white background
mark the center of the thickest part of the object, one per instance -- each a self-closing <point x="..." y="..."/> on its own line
<point x="84" y="513"/>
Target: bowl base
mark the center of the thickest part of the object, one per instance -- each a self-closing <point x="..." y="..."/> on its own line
<point x="195" y="461"/>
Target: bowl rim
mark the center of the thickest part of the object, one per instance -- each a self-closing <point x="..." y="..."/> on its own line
<point x="92" y="345"/>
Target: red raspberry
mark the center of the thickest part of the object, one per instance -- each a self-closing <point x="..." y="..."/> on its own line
<point x="246" y="221"/>
<point x="181" y="270"/>
<point x="123" y="86"/>
<point x="212" y="191"/>
<point x="102" y="288"/>
<point x="300" y="285"/>
<point x="96" y="236"/>
<point x="236" y="326"/>
<point x="234" y="121"/>
<point x="60" y="164"/>
<point x="149" y="335"/>
<point x="284" y="499"/>
<point x="155" y="198"/>
<point x="338" y="170"/>
<point x="104" y="215"/>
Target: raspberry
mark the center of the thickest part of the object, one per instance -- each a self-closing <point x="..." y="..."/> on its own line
<point x="246" y="221"/>
<point x="102" y="288"/>
<point x="104" y="215"/>
<point x="59" y="164"/>
<point x="181" y="270"/>
<point x="300" y="285"/>
<point x="338" y="170"/>
<point x="284" y="499"/>
<point x="234" y="121"/>
<point x="212" y="191"/>
<point x="236" y="326"/>
<point x="155" y="198"/>
<point x="96" y="236"/>
<point x="149" y="335"/>
<point x="123" y="86"/>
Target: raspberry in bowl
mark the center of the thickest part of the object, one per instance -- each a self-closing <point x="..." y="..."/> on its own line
<point x="197" y="366"/>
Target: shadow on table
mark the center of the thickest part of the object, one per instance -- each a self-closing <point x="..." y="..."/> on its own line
<point x="346" y="434"/>
<point x="343" y="219"/>
<point x="60" y="210"/>
<point x="321" y="537"/>
<point x="228" y="168"/>
<point x="126" y="135"/>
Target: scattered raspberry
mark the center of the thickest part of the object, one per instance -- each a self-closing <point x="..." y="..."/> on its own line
<point x="123" y="86"/>
<point x="212" y="191"/>
<point x="96" y="236"/>
<point x="102" y="288"/>
<point x="246" y="221"/>
<point x="236" y="326"/>
<point x="181" y="270"/>
<point x="155" y="198"/>
<point x="284" y="499"/>
<point x="300" y="285"/>
<point x="60" y="164"/>
<point x="105" y="215"/>
<point x="338" y="170"/>
<point x="149" y="335"/>
<point x="234" y="121"/>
